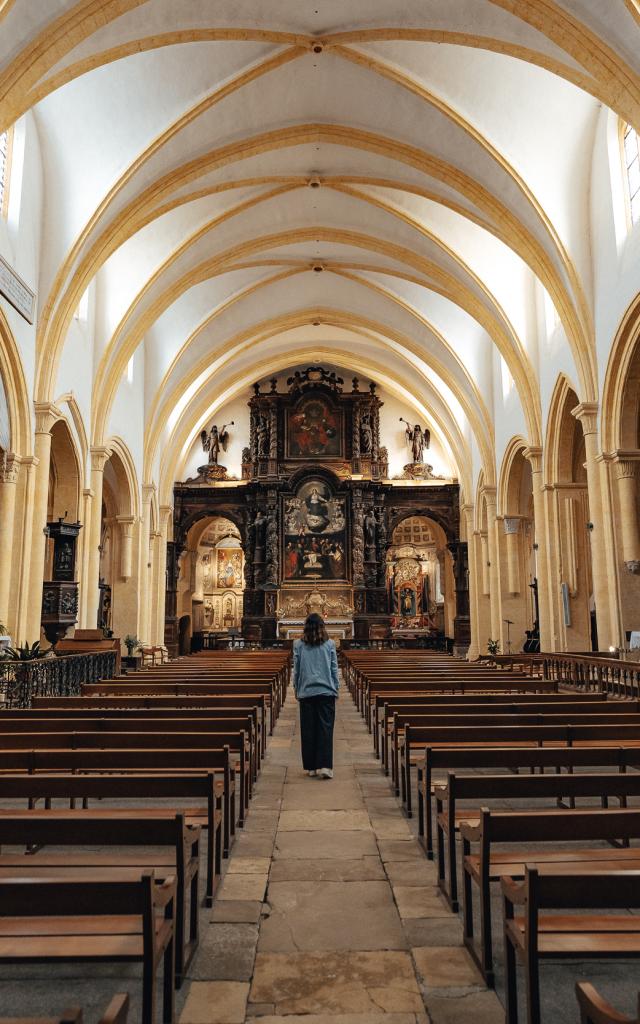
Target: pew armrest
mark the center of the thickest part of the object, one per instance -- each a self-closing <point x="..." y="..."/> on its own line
<point x="514" y="892"/>
<point x="596" y="1009"/>
<point x="117" y="1010"/>
<point x="164" y="892"/>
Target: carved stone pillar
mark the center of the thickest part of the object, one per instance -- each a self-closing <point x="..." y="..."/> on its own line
<point x="9" y="470"/>
<point x="99" y="456"/>
<point x="627" y="466"/>
<point x="512" y="534"/>
<point x="126" y="524"/>
<point x="46" y="416"/>
<point x="484" y="547"/>
<point x="472" y="554"/>
<point x="494" y="576"/>
<point x="587" y="414"/>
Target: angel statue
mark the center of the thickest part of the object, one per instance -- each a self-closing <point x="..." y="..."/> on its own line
<point x="215" y="440"/>
<point x="417" y="439"/>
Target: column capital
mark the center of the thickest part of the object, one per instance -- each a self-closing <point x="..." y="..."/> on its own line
<point x="46" y="415"/>
<point x="512" y="524"/>
<point x="627" y="468"/>
<point x="148" y="491"/>
<point x="10" y="468"/>
<point x="126" y="524"/>
<point x="99" y="455"/>
<point x="587" y="413"/>
<point x="534" y="455"/>
<point x="490" y="495"/>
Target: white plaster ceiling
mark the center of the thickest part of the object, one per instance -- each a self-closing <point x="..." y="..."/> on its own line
<point x="452" y="143"/>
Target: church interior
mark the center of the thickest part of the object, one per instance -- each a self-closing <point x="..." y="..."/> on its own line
<point x="327" y="308"/>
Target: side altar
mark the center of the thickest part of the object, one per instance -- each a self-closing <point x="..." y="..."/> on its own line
<point x="315" y="511"/>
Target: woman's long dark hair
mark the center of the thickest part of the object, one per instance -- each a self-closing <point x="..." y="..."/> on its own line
<point x="314" y="630"/>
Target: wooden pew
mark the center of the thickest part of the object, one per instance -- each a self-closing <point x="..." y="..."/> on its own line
<point x="557" y="827"/>
<point x="510" y="759"/>
<point x="119" y="922"/>
<point x="186" y="786"/>
<point x="182" y="690"/>
<point x="116" y="1013"/>
<point x="595" y="1010"/>
<point x="112" y="828"/>
<point x="112" y="741"/>
<point x="129" y="761"/>
<point x="532" y="936"/>
<point x="568" y="730"/>
<point x="479" y="788"/>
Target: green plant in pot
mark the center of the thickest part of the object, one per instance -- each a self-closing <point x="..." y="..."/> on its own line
<point x="132" y="644"/>
<point x="493" y="646"/>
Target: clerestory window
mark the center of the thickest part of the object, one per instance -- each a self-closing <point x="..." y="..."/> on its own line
<point x="631" y="154"/>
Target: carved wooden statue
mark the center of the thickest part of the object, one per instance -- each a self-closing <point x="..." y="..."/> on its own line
<point x="215" y="441"/>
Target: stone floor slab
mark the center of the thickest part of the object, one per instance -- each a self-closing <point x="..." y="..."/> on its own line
<point x="242" y="887"/>
<point x="473" y="1008"/>
<point x="226" y="953"/>
<point x="249" y="865"/>
<point x="313" y="916"/>
<point x="334" y="983"/>
<point x="334" y="845"/>
<point x="401" y="849"/>
<point x="319" y="820"/>
<point x="420" y="901"/>
<point x="337" y="796"/>
<point x="239" y="911"/>
<point x="365" y="869"/>
<point x="446" y="967"/>
<point x="215" y="1002"/>
<point x="411" y="872"/>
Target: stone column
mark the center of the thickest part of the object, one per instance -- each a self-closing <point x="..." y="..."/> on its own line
<point x="587" y="414"/>
<point x="541" y="545"/>
<point x="99" y="456"/>
<point x="166" y="518"/>
<point x="474" y="645"/>
<point x="512" y="534"/>
<point x="144" y="576"/>
<point x="9" y="470"/>
<point x="46" y="416"/>
<point x="484" y="550"/>
<point x="494" y="575"/>
<point x="29" y="466"/>
<point x="126" y="524"/>
<point x="626" y="474"/>
<point x="83" y="557"/>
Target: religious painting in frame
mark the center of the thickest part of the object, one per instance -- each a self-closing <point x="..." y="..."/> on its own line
<point x="314" y="429"/>
<point x="315" y="546"/>
<point x="229" y="568"/>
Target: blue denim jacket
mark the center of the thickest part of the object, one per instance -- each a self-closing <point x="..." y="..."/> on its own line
<point x="315" y="670"/>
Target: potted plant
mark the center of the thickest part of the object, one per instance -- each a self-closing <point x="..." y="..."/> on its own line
<point x="493" y="647"/>
<point x="132" y="644"/>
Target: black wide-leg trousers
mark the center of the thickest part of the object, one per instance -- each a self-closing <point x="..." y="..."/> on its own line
<point x="317" y="718"/>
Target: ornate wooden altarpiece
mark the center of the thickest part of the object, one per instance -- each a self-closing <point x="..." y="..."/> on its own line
<point x="316" y="512"/>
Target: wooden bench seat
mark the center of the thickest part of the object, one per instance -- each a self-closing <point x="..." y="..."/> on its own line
<point x="558" y="827"/>
<point x="187" y="786"/>
<point x="121" y="922"/>
<point x="158" y="761"/>
<point x="114" y="828"/>
<point x="532" y="936"/>
<point x="530" y="788"/>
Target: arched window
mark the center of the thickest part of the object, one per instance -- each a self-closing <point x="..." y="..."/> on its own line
<point x="6" y="139"/>
<point x="631" y="152"/>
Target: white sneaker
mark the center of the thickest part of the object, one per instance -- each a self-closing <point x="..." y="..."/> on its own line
<point x="325" y="773"/>
<point x="312" y="774"/>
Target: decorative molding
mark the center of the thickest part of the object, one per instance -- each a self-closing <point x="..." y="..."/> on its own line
<point x="534" y="455"/>
<point x="47" y="413"/>
<point x="512" y="525"/>
<point x="99" y="456"/>
<point x="587" y="413"/>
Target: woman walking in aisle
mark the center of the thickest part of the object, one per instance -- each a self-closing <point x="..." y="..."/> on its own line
<point x="316" y="683"/>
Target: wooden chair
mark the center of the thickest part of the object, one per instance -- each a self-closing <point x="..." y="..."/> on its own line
<point x="595" y="1010"/>
<point x="115" y="1013"/>
<point x="531" y="936"/>
<point x="99" y="922"/>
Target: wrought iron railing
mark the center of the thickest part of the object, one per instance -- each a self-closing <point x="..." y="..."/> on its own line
<point x="21" y="681"/>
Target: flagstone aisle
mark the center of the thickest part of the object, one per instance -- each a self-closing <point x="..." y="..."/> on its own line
<point x="329" y="913"/>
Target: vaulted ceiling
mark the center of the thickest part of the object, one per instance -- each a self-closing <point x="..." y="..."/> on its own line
<point x="245" y="184"/>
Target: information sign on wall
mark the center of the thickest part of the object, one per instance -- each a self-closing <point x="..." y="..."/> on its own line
<point x="17" y="292"/>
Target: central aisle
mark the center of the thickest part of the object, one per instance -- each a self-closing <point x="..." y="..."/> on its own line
<point x="329" y="910"/>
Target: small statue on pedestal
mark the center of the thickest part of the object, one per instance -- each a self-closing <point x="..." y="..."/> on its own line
<point x="213" y="442"/>
<point x="418" y="439"/>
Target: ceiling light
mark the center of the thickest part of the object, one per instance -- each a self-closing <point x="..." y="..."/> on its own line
<point x="314" y="182"/>
<point x="317" y="47"/>
<point x="318" y="268"/>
